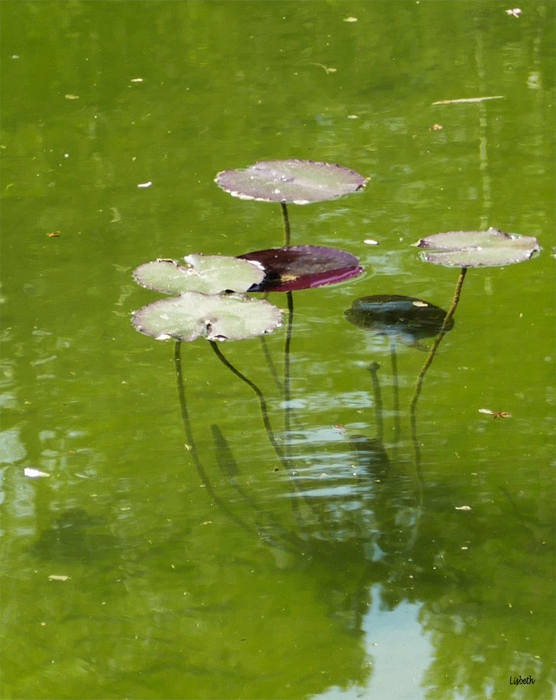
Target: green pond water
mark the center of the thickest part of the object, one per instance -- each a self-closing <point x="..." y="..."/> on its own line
<point x="163" y="560"/>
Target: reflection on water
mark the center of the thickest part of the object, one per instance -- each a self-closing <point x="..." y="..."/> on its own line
<point x="347" y="566"/>
<point x="76" y="536"/>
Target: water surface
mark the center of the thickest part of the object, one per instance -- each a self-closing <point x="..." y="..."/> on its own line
<point x="374" y="570"/>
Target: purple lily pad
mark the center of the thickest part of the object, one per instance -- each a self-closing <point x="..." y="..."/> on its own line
<point x="302" y="267"/>
<point x="296" y="181"/>
<point x="491" y="248"/>
<point x="406" y="318"/>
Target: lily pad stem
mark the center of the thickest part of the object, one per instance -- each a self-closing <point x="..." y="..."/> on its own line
<point x="286" y="219"/>
<point x="377" y="396"/>
<point x="270" y="363"/>
<point x="396" y="407"/>
<point x="264" y="413"/>
<point x="191" y="446"/>
<point x="437" y="341"/>
<point x="258" y="392"/>
<point x="287" y="371"/>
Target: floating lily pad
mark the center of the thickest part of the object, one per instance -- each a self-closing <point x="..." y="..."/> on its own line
<point x="215" y="317"/>
<point x="296" y="181"/>
<point x="490" y="248"/>
<point x="303" y="267"/>
<point x="406" y="318"/>
<point x="209" y="274"/>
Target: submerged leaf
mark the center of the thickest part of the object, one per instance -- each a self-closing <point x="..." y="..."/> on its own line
<point x="406" y="318"/>
<point x="303" y="267"/>
<point x="296" y="181"/>
<point x="215" y="317"/>
<point x="490" y="248"/>
<point x="209" y="274"/>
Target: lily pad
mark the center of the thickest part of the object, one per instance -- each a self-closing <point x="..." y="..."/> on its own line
<point x="296" y="181"/>
<point x="209" y="274"/>
<point x="302" y="267"/>
<point x="490" y="248"/>
<point x="215" y="317"/>
<point x="405" y="318"/>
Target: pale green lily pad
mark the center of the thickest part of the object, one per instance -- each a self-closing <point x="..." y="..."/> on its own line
<point x="208" y="274"/>
<point x="491" y="248"/>
<point x="293" y="180"/>
<point x="214" y="317"/>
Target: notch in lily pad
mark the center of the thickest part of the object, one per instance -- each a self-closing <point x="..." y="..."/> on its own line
<point x="208" y="274"/>
<point x="302" y="267"/>
<point x="491" y="248"/>
<point x="214" y="317"/>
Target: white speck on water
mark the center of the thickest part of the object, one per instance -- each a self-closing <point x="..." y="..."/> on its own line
<point x="534" y="81"/>
<point x="144" y="184"/>
<point x="34" y="473"/>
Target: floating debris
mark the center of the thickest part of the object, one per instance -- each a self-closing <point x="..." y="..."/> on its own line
<point x="495" y="414"/>
<point x="33" y="473"/>
<point x="326" y="68"/>
<point x="468" y="99"/>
